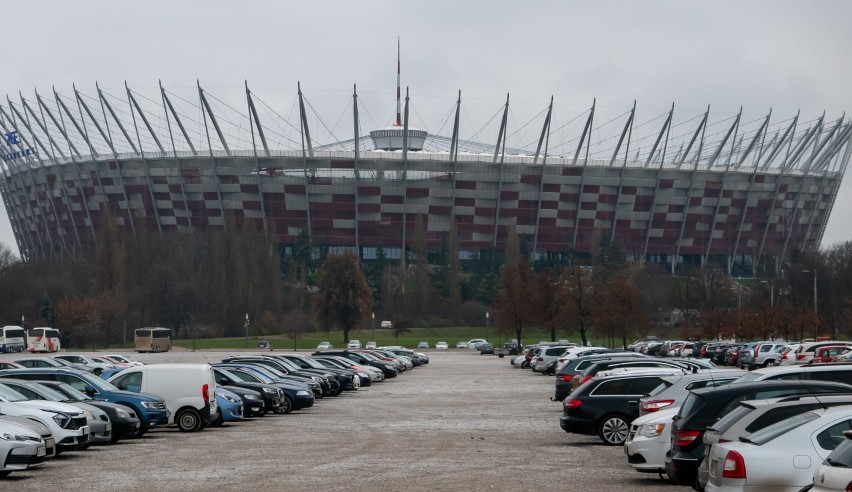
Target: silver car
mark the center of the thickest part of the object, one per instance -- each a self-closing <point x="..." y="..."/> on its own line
<point x="674" y="389"/>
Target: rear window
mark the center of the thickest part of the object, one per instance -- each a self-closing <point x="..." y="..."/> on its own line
<point x="835" y="375"/>
<point x="778" y="414"/>
<point x="767" y="434"/>
<point x="842" y="455"/>
<point x="833" y="436"/>
<point x="691" y="405"/>
<point x="733" y="417"/>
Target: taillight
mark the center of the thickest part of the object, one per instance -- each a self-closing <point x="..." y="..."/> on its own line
<point x="204" y="394"/>
<point x="734" y="466"/>
<point x="784" y="356"/>
<point x="572" y="403"/>
<point x="566" y="377"/>
<point x="655" y="405"/>
<point x="685" y="438"/>
<point x="849" y="487"/>
<point x="724" y="440"/>
<point x="800" y="356"/>
<point x="540" y="359"/>
<point x="584" y="380"/>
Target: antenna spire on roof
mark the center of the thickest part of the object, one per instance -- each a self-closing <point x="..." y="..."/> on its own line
<point x="398" y="106"/>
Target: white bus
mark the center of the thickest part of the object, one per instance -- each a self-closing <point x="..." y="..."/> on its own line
<point x="12" y="339"/>
<point x="43" y="339"/>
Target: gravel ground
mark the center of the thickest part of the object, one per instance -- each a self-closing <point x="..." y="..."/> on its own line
<point x="463" y="422"/>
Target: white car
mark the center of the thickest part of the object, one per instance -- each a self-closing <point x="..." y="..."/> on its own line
<point x="324" y="346"/>
<point x="441" y="346"/>
<point x="124" y="358"/>
<point x="474" y="343"/>
<point x="649" y="440"/>
<point x="835" y="473"/>
<point x="354" y="344"/>
<point x="20" y="447"/>
<point x="461" y="344"/>
<point x="518" y="360"/>
<point x="66" y="422"/>
<point x="780" y="457"/>
<point x="371" y="344"/>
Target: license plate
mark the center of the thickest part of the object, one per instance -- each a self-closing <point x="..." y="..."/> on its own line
<point x="42" y="451"/>
<point x="85" y="431"/>
<point x="109" y="427"/>
<point x="138" y="425"/>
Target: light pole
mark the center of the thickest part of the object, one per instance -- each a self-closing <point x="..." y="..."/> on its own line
<point x="247" y="325"/>
<point x="487" y="323"/>
<point x="373" y="325"/>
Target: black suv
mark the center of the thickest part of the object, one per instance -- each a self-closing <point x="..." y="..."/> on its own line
<point x="576" y="366"/>
<point x="703" y="407"/>
<point x="606" y="406"/>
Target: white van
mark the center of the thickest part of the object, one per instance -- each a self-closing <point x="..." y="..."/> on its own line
<point x="188" y="390"/>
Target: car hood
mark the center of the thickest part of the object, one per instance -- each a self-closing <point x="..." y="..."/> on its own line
<point x="36" y="426"/>
<point x="51" y="406"/>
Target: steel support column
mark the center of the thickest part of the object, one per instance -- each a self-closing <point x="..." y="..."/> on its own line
<point x="252" y="120"/>
<point x="545" y="136"/>
<point x="734" y="128"/>
<point x="210" y="148"/>
<point x="501" y="142"/>
<point x="628" y="129"/>
<point x="664" y="131"/>
<point x="148" y="180"/>
<point x="700" y="130"/>
<point x="166" y="106"/>
<point x="586" y="131"/>
<point x="303" y="121"/>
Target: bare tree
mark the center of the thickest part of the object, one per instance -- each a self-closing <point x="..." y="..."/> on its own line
<point x="343" y="295"/>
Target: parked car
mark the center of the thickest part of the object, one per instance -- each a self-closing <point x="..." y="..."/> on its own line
<point x="347" y="379"/>
<point x="124" y="358"/>
<point x="575" y="366"/>
<point x="838" y="372"/>
<point x="66" y="422"/>
<point x="252" y="400"/>
<point x="265" y="345"/>
<point x="752" y="416"/>
<point x="474" y="343"/>
<point x="485" y="348"/>
<point x="545" y="356"/>
<point x="828" y="353"/>
<point x="96" y="367"/>
<point x="353" y="344"/>
<point x="187" y="389"/>
<point x="607" y="406"/>
<point x="835" y="473"/>
<point x="272" y="395"/>
<point x="441" y="346"/>
<point x="230" y="407"/>
<point x="649" y="440"/>
<point x="782" y="456"/>
<point x="371" y="344"/>
<point x="767" y="354"/>
<point x="151" y="409"/>
<point x="125" y="423"/>
<point x="673" y="390"/>
<point x="804" y="353"/>
<point x="20" y="447"/>
<point x="292" y="396"/>
<point x="38" y="428"/>
<point x="324" y="346"/>
<point x="10" y="365"/>
<point x="387" y="368"/>
<point x="49" y="363"/>
<point x="421" y="345"/>
<point x="100" y="427"/>
<point x="705" y="406"/>
<point x="461" y="344"/>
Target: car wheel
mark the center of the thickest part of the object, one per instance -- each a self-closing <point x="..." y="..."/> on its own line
<point x="188" y="420"/>
<point x="613" y="430"/>
<point x="155" y="348"/>
<point x="770" y="362"/>
<point x="286" y="405"/>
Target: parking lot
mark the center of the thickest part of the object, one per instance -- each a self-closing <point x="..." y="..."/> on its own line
<point x="462" y="422"/>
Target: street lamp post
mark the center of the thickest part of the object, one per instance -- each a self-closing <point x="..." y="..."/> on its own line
<point x="816" y="313"/>
<point x="373" y="325"/>
<point x="246" y="326"/>
<point x="487" y="323"/>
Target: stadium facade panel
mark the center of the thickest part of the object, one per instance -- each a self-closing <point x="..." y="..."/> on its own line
<point x="735" y="195"/>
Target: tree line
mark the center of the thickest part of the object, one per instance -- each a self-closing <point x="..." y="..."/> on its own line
<point x="205" y="285"/>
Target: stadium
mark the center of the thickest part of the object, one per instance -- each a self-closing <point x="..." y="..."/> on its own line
<point x="704" y="188"/>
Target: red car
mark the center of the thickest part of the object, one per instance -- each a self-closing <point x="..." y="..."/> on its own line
<point x="828" y="353"/>
<point x="10" y="365"/>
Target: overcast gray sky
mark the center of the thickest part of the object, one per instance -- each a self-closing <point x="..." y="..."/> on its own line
<point x="759" y="54"/>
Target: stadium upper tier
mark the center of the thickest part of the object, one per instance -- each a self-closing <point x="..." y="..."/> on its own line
<point x="675" y="190"/>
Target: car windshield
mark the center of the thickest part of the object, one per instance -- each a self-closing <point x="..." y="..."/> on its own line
<point x="62" y="362"/>
<point x="769" y="433"/>
<point x="268" y="370"/>
<point x="49" y="393"/>
<point x="312" y="363"/>
<point x="252" y="377"/>
<point x="289" y="365"/>
<point x="367" y="356"/>
<point x="71" y="392"/>
<point x="9" y="394"/>
<point x="98" y="383"/>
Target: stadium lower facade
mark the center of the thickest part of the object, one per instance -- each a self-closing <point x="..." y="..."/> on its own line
<point x="735" y="200"/>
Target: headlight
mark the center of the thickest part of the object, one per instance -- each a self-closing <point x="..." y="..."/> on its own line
<point x="152" y="405"/>
<point x="652" y="430"/>
<point x="389" y="366"/>
<point x="316" y="379"/>
<point x="230" y="399"/>
<point x="270" y="391"/>
<point x="6" y="436"/>
<point x="302" y="393"/>
<point x="252" y="397"/>
<point x="363" y="375"/>
<point x="61" y="419"/>
<point x="121" y="414"/>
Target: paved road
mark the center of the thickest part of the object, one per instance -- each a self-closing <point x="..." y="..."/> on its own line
<point x="463" y="422"/>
